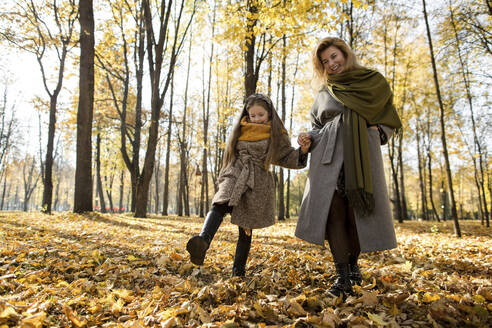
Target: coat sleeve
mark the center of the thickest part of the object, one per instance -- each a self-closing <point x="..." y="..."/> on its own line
<point x="290" y="157"/>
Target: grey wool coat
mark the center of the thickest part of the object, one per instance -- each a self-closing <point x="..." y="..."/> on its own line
<point x="249" y="188"/>
<point x="375" y="231"/>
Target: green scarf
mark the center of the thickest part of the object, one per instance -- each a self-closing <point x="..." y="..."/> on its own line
<point x="368" y="100"/>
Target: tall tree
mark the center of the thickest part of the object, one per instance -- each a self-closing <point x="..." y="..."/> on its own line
<point x="454" y="213"/>
<point x="35" y="36"/>
<point x="477" y="145"/>
<point x="29" y="179"/>
<point x="100" y="192"/>
<point x="114" y="56"/>
<point x="204" y="193"/>
<point x="83" y="170"/>
<point x="165" y="193"/>
<point x="161" y="46"/>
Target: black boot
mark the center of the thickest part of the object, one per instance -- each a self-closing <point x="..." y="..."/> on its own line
<point x="342" y="285"/>
<point x="354" y="272"/>
<point x="197" y="245"/>
<point x="242" y="252"/>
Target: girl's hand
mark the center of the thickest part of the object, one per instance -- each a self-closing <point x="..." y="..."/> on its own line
<point x="305" y="146"/>
<point x="303" y="138"/>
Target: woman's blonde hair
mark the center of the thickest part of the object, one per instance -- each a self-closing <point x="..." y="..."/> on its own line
<point x="319" y="73"/>
<point x="277" y="130"/>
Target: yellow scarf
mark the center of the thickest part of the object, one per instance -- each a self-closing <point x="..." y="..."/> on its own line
<point x="254" y="131"/>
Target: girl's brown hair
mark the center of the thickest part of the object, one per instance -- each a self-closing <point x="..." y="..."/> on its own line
<point x="277" y="130"/>
<point x="319" y="73"/>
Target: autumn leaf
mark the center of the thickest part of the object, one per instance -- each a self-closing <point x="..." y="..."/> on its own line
<point x="377" y="319"/>
<point x="73" y="317"/>
<point x="34" y="321"/>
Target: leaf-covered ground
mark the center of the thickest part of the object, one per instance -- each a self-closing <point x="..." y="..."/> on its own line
<point x="96" y="270"/>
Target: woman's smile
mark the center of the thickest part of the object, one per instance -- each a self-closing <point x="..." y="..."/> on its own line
<point x="333" y="60"/>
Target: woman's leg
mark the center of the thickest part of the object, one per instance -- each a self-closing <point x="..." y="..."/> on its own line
<point x="242" y="251"/>
<point x="354" y="275"/>
<point x="336" y="230"/>
<point x="339" y="240"/>
<point x="197" y="245"/>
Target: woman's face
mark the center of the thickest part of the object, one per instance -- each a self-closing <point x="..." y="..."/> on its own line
<point x="257" y="114"/>
<point x="333" y="60"/>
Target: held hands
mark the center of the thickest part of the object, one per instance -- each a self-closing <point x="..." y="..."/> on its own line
<point x="304" y="140"/>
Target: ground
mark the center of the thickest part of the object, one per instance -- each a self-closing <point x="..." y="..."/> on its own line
<point x="107" y="270"/>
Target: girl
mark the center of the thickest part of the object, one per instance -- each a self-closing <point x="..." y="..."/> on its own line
<point x="246" y="187"/>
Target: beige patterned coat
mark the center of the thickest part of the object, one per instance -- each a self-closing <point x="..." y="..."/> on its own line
<point x="249" y="188"/>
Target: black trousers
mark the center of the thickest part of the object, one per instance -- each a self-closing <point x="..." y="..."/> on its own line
<point x="341" y="230"/>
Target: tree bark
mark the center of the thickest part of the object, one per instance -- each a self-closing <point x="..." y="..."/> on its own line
<point x="281" y="198"/>
<point x="454" y="213"/>
<point x="100" y="192"/>
<point x="4" y="189"/>
<point x="251" y="76"/>
<point x="165" y="200"/>
<point x="156" y="181"/>
<point x="122" y="189"/>
<point x="83" y="170"/>
<point x="421" y="168"/>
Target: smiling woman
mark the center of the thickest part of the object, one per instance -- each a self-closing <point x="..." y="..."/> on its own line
<point x="346" y="201"/>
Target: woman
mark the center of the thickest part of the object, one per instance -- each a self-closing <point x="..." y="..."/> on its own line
<point x="346" y="199"/>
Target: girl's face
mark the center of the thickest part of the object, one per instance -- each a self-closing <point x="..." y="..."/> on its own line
<point x="258" y="114"/>
<point x="333" y="60"/>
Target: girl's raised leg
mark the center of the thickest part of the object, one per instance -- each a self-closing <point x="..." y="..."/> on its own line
<point x="197" y="245"/>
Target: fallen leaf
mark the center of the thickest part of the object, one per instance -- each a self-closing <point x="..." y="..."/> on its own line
<point x="34" y="321"/>
<point x="429" y="298"/>
<point x="377" y="319"/>
<point x="73" y="317"/>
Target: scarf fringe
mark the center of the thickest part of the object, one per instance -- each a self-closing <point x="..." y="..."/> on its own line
<point x="362" y="201"/>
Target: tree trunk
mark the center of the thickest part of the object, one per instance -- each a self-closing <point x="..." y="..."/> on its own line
<point x="431" y="197"/>
<point x="183" y="201"/>
<point x="423" y="195"/>
<point x="477" y="146"/>
<point x="57" y="194"/>
<point x="454" y="213"/>
<point x="100" y="192"/>
<point x="251" y="76"/>
<point x="4" y="189"/>
<point x="156" y="53"/>
<point x="404" y="209"/>
<point x="156" y="181"/>
<point x="165" y="200"/>
<point x="290" y="131"/>
<point x="29" y="184"/>
<point x="122" y="189"/>
<point x="48" y="163"/>
<point x="83" y="170"/>
<point x="281" y="199"/>
<point x="109" y="187"/>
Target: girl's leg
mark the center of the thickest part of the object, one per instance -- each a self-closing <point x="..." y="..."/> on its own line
<point x="340" y="244"/>
<point x="197" y="245"/>
<point x="242" y="252"/>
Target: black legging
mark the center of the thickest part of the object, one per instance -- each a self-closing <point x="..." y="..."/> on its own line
<point x="243" y="242"/>
<point x="341" y="230"/>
